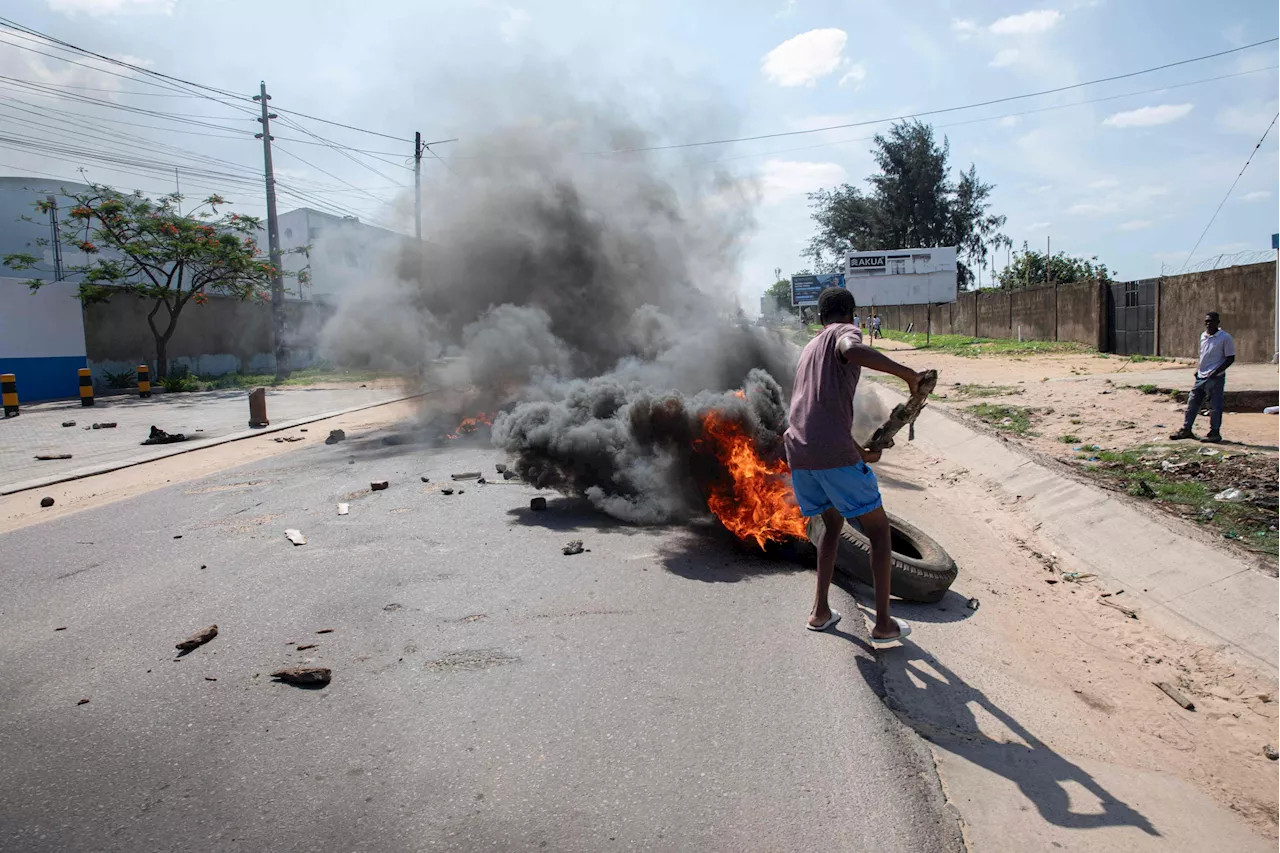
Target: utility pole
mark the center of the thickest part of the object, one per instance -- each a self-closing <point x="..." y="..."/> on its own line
<point x="57" y="237"/>
<point x="1048" y="270"/>
<point x="283" y="368"/>
<point x="417" y="184"/>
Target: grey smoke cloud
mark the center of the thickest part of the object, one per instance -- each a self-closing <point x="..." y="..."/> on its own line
<point x="593" y="298"/>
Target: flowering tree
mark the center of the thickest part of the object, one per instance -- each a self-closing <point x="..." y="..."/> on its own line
<point x="145" y="248"/>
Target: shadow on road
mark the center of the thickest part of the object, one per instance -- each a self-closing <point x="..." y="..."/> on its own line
<point x="570" y="514"/>
<point x="938" y="705"/>
<point x="709" y="553"/>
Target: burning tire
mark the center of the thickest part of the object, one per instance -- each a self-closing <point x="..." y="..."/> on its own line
<point x="922" y="570"/>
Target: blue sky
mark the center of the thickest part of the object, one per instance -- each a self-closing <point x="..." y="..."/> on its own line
<point x="1133" y="179"/>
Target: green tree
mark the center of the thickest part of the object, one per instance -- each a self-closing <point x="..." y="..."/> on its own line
<point x="913" y="203"/>
<point x="1028" y="269"/>
<point x="140" y="247"/>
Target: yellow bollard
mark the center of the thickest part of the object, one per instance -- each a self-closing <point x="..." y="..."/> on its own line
<point x="86" y="387"/>
<point x="144" y="381"/>
<point x="9" y="394"/>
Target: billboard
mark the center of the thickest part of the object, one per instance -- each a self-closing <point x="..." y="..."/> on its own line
<point x="902" y="276"/>
<point x="806" y="288"/>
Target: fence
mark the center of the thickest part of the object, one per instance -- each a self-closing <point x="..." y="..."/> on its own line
<point x="1161" y="316"/>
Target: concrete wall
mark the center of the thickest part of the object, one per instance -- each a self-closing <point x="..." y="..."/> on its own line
<point x="227" y="335"/>
<point x="41" y="338"/>
<point x="1080" y="313"/>
<point x="1033" y="313"/>
<point x="1245" y="296"/>
<point x="993" y="314"/>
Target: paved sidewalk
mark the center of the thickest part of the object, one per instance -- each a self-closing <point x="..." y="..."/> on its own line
<point x="202" y="416"/>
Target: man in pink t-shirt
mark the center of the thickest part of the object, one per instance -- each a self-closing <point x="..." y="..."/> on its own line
<point x="829" y="472"/>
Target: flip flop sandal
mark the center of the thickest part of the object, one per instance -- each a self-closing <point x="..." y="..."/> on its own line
<point x="904" y="631"/>
<point x="830" y="623"/>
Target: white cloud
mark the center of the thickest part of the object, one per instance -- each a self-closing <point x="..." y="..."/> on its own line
<point x="98" y="8"/>
<point x="514" y="24"/>
<point x="806" y="58"/>
<point x="1149" y="116"/>
<point x="1104" y="184"/>
<point x="1135" y="225"/>
<point x="1008" y="56"/>
<point x="1256" y="195"/>
<point x="780" y="179"/>
<point x="854" y="77"/>
<point x="965" y="29"/>
<point x="1038" y="226"/>
<point x="1027" y="23"/>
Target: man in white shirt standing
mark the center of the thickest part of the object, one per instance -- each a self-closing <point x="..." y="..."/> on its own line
<point x="1217" y="353"/>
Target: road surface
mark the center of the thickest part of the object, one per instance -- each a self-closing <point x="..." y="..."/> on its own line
<point x="657" y="692"/>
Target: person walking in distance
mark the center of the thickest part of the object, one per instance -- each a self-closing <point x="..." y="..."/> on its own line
<point x="875" y="326"/>
<point x="1217" y="353"/>
<point x="829" y="472"/>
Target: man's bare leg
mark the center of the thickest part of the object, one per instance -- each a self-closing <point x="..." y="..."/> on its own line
<point x="875" y="525"/>
<point x="826" y="565"/>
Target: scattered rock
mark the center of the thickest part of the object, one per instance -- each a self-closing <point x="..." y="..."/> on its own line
<point x="974" y="604"/>
<point x="335" y="435"/>
<point x="325" y="631"/>
<point x="343" y="509"/>
<point x="480" y="481"/>
<point x="1229" y="495"/>
<point x="111" y="425"/>
<point x="574" y="547"/>
<point x="295" y="536"/>
<point x="500" y="468"/>
<point x="1174" y="694"/>
<point x="210" y="678"/>
<point x="304" y="429"/>
<point x="393" y="607"/>
<point x="68" y="423"/>
<point x="159" y="436"/>
<point x="83" y="702"/>
<point x="48" y="457"/>
<point x="177" y="536"/>
<point x="446" y="491"/>
<point x="198" y="639"/>
<point x="305" y="676"/>
<point x="510" y="475"/>
<point x="379" y="485"/>
<point x="538" y="504"/>
<point x="305" y="646"/>
<point x="46" y="502"/>
<point x="426" y="479"/>
<point x="63" y="628"/>
<point x="467" y="475"/>
<point x="1269" y="751"/>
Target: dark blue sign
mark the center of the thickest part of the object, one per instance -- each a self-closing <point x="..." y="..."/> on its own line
<point x="1275" y="241"/>
<point x="805" y="289"/>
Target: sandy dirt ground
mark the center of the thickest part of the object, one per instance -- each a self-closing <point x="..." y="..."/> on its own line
<point x="1043" y="681"/>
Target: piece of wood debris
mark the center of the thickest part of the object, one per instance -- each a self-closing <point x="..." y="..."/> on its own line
<point x="1127" y="611"/>
<point x="306" y="646"/>
<point x="306" y="676"/>
<point x="49" y="457"/>
<point x="198" y="639"/>
<point x="1174" y="694"/>
<point x="325" y="631"/>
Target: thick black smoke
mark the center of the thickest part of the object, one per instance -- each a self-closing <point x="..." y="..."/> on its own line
<point x="593" y="298"/>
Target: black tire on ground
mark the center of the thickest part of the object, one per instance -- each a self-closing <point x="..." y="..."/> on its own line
<point x="922" y="570"/>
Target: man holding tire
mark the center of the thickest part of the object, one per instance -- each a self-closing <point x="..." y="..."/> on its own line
<point x="829" y="472"/>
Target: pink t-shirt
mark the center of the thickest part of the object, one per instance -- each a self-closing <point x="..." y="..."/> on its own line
<point x="820" y="431"/>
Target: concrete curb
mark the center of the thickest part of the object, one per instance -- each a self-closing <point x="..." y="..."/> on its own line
<point x="189" y="447"/>
<point x="1225" y="597"/>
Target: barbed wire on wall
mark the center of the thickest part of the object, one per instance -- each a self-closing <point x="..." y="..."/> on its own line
<point x="1221" y="261"/>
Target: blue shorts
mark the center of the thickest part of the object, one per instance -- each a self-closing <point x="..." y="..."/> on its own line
<point x="853" y="490"/>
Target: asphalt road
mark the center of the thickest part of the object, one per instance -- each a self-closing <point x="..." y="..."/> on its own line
<point x="658" y="692"/>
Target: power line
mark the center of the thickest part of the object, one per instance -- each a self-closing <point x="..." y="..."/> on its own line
<point x="1231" y="189"/>
<point x="330" y="174"/>
<point x="936" y="111"/>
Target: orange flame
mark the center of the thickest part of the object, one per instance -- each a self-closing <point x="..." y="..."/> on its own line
<point x="471" y="424"/>
<point x="756" y="501"/>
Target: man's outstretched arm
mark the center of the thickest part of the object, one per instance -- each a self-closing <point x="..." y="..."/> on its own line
<point x="873" y="359"/>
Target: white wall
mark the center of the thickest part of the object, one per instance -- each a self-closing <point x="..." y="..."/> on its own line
<point x="902" y="276"/>
<point x="44" y="324"/>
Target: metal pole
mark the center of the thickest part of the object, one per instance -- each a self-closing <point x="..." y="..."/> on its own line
<point x="417" y="185"/>
<point x="1048" y="253"/>
<point x="57" y="238"/>
<point x="283" y="368"/>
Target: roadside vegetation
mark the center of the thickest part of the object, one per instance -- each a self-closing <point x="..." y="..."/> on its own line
<point x="971" y="347"/>
<point x="1014" y="419"/>
<point x="1186" y="481"/>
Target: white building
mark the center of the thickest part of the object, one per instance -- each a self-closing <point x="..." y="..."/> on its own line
<point x="345" y="252"/>
<point x="902" y="276"/>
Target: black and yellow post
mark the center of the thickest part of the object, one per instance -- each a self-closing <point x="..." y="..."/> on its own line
<point x="86" y="387"/>
<point x="9" y="393"/>
<point x="144" y="381"/>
